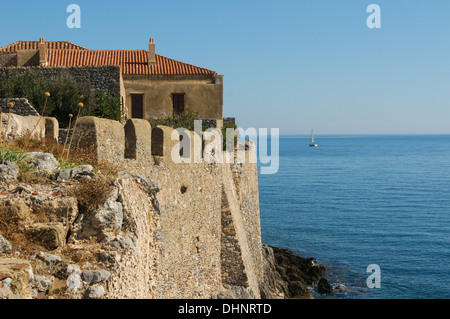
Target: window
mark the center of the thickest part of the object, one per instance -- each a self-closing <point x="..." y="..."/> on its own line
<point x="178" y="103"/>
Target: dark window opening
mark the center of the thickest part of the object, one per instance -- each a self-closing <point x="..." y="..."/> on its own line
<point x="137" y="106"/>
<point x="178" y="103"/>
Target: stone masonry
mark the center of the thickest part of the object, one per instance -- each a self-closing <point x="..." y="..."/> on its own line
<point x="196" y="224"/>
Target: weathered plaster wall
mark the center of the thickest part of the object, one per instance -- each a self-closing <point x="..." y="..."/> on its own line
<point x="202" y="94"/>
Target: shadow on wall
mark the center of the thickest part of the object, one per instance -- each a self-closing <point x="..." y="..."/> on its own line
<point x="136" y="140"/>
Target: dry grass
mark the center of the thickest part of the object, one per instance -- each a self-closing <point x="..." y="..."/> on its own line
<point x="77" y="156"/>
<point x="13" y="228"/>
<point x="91" y="193"/>
<point x="81" y="255"/>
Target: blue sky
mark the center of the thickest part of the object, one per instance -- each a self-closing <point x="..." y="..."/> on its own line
<point x="295" y="65"/>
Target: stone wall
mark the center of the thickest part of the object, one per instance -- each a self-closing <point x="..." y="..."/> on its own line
<point x="209" y="212"/>
<point x="35" y="126"/>
<point x="197" y="236"/>
<point x="105" y="78"/>
<point x="8" y="60"/>
<point x="21" y="106"/>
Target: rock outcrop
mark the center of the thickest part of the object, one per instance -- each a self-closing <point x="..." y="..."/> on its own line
<point x="287" y="276"/>
<point x="67" y="251"/>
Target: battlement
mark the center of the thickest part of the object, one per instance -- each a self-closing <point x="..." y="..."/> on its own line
<point x="136" y="140"/>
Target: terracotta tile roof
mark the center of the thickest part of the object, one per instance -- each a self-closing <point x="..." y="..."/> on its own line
<point x="33" y="45"/>
<point x="132" y="62"/>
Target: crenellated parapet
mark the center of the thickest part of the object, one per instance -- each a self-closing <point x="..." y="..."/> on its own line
<point x="136" y="140"/>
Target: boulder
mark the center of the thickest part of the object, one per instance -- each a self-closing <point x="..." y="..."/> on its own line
<point x="108" y="217"/>
<point x="49" y="235"/>
<point x="49" y="259"/>
<point x="76" y="172"/>
<point x="95" y="292"/>
<point x="62" y="209"/>
<point x="42" y="283"/>
<point x="74" y="281"/>
<point x="95" y="276"/>
<point x="16" y="211"/>
<point x="324" y="287"/>
<point x="5" y="245"/>
<point x="16" y="276"/>
<point x="43" y="161"/>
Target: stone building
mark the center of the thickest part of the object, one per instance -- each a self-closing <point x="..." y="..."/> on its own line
<point x="148" y="84"/>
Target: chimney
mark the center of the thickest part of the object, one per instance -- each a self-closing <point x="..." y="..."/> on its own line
<point x="42" y="53"/>
<point x="151" y="52"/>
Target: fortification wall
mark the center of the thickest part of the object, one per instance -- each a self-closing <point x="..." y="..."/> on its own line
<point x="200" y="235"/>
<point x="193" y="261"/>
<point x="34" y="126"/>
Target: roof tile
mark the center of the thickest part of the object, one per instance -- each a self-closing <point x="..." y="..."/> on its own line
<point x="132" y="62"/>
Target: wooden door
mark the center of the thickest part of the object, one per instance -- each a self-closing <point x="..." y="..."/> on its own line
<point x="137" y="106"/>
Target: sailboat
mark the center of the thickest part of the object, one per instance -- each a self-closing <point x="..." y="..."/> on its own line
<point x="313" y="143"/>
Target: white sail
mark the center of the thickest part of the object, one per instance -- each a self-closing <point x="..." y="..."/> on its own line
<point x="313" y="143"/>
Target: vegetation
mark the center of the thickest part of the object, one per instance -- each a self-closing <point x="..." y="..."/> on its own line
<point x="107" y="107"/>
<point x="224" y="134"/>
<point x="184" y="120"/>
<point x="12" y="155"/>
<point x="16" y="151"/>
<point x="66" y="93"/>
<point x="91" y="193"/>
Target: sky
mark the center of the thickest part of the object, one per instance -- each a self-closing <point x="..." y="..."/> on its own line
<point x="294" y="65"/>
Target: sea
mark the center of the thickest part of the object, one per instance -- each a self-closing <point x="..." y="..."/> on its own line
<point x="361" y="200"/>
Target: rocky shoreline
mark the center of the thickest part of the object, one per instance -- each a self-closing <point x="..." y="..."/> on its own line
<point x="287" y="276"/>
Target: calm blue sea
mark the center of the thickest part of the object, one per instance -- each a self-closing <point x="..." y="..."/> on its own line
<point x="359" y="200"/>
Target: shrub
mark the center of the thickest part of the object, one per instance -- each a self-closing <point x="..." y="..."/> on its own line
<point x="65" y="92"/>
<point x="107" y="107"/>
<point x="91" y="193"/>
<point x="184" y="120"/>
